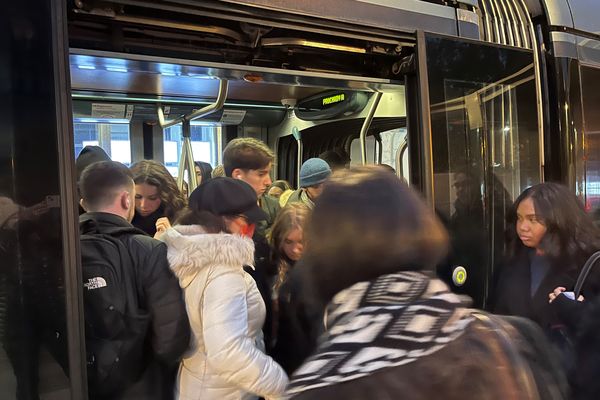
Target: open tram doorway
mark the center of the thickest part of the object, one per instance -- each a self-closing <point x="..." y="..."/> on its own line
<point x="464" y="134"/>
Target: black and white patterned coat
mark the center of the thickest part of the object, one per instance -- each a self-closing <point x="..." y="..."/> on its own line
<point x="405" y="336"/>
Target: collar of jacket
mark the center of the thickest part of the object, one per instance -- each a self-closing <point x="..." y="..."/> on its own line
<point x="306" y="199"/>
<point x="191" y="249"/>
<point x="105" y="219"/>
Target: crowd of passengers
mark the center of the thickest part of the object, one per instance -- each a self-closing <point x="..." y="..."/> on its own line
<point x="257" y="290"/>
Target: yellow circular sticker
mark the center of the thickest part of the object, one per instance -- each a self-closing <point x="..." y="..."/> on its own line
<point x="459" y="276"/>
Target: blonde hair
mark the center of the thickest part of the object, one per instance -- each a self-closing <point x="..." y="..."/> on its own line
<point x="218" y="171"/>
<point x="292" y="217"/>
<point x="155" y="174"/>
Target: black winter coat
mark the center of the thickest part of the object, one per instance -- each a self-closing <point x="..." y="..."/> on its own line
<point x="587" y="346"/>
<point x="169" y="332"/>
<point x="148" y="223"/>
<point x="300" y="322"/>
<point x="264" y="272"/>
<point x="513" y="294"/>
<point x="572" y="313"/>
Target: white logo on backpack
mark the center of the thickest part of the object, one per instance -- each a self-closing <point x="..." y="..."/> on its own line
<point x="95" y="283"/>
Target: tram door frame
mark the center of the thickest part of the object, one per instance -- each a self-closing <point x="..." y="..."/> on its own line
<point x="482" y="147"/>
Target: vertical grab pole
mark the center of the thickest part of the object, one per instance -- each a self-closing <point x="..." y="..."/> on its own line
<point x="219" y="140"/>
<point x="186" y="161"/>
<point x="298" y="136"/>
<point x="365" y="126"/>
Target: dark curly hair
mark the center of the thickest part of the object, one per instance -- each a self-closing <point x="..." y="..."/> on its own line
<point x="155" y="174"/>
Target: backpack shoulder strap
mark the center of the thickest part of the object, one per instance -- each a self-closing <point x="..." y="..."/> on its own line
<point x="128" y="269"/>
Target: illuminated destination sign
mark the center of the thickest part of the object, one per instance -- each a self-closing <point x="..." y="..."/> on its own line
<point x="334" y="99"/>
<point x="331" y="104"/>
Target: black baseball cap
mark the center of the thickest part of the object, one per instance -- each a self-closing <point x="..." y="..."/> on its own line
<point x="227" y="197"/>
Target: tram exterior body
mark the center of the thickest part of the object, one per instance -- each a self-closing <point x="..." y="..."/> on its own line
<point x="499" y="94"/>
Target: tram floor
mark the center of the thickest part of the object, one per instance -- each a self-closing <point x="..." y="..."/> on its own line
<point x="53" y="384"/>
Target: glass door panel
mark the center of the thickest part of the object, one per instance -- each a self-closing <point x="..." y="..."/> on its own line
<point x="485" y="150"/>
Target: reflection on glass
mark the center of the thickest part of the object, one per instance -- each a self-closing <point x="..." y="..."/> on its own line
<point x="590" y="91"/>
<point x="394" y="151"/>
<point x="33" y="314"/>
<point x="485" y="149"/>
<point x="33" y="357"/>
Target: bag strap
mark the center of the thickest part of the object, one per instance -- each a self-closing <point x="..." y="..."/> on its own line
<point x="585" y="271"/>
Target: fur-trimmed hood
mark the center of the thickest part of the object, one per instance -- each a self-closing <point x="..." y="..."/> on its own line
<point x="191" y="249"/>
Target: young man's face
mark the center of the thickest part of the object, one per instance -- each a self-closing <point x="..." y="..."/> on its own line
<point x="314" y="191"/>
<point x="259" y="179"/>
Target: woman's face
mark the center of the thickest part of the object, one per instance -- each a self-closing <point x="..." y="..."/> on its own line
<point x="147" y="199"/>
<point x="239" y="225"/>
<point x="198" y="174"/>
<point x="530" y="228"/>
<point x="293" y="244"/>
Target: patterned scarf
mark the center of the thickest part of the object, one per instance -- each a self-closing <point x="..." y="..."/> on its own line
<point x="390" y="321"/>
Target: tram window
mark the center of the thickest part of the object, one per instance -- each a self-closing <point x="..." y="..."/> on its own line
<point x="590" y="92"/>
<point x="355" y="156"/>
<point x="113" y="137"/>
<point x="394" y="152"/>
<point x="204" y="145"/>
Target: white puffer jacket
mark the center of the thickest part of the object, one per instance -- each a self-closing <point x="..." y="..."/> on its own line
<point x="226" y="312"/>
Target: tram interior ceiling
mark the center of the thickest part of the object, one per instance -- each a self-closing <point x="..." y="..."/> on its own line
<point x="197" y="31"/>
<point x="173" y="55"/>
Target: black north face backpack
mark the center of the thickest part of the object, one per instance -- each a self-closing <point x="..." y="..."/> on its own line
<point x="115" y="326"/>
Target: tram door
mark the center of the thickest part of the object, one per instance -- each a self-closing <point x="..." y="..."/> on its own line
<point x="480" y="148"/>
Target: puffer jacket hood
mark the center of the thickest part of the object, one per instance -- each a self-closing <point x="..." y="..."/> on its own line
<point x="191" y="250"/>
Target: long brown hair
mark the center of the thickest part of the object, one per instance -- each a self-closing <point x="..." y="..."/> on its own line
<point x="293" y="216"/>
<point x="155" y="174"/>
<point x="368" y="223"/>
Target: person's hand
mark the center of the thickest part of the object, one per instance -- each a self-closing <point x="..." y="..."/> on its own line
<point x="162" y="224"/>
<point x="555" y="293"/>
